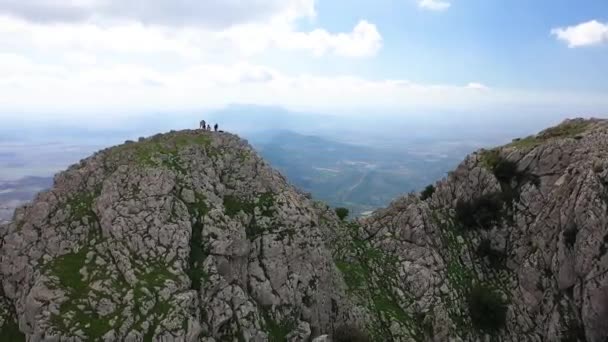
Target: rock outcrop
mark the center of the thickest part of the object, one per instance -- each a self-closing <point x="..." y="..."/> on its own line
<point x="511" y="246"/>
<point x="190" y="236"/>
<point x="187" y="236"/>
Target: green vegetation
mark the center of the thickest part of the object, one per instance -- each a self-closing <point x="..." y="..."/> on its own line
<point x="565" y="130"/>
<point x="277" y="331"/>
<point x="472" y="300"/>
<point x="155" y="274"/>
<point x="265" y="203"/>
<point x="482" y="212"/>
<point x="349" y="333"/>
<point x="162" y="149"/>
<point x="198" y="254"/>
<point x="369" y="274"/>
<point x="427" y="192"/>
<point x="81" y="205"/>
<point x="491" y="208"/>
<point x="67" y="268"/>
<point x="234" y="205"/>
<point x="503" y="169"/>
<point x="354" y="273"/>
<point x="10" y="331"/>
<point x="342" y="213"/>
<point x="487" y="309"/>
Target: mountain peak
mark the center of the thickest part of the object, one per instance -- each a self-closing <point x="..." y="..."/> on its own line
<point x="182" y="234"/>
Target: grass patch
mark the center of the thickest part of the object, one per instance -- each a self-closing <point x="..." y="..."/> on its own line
<point x="354" y="274"/>
<point x="156" y="275"/>
<point x="234" y="205"/>
<point x="67" y="269"/>
<point x="10" y="331"/>
<point x="277" y="331"/>
<point x="568" y="129"/>
<point x="81" y="205"/>
<point x="369" y="274"/>
<point x="162" y="149"/>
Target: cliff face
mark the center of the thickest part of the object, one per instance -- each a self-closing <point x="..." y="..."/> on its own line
<point x="511" y="246"/>
<point x="183" y="236"/>
<point x="190" y="236"/>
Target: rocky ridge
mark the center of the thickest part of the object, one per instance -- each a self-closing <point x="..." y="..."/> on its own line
<point x="511" y="246"/>
<point x="186" y="236"/>
<point x="190" y="236"/>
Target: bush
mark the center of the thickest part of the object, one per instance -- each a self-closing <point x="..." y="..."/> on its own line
<point x="342" y="213"/>
<point x="570" y="235"/>
<point x="482" y="212"/>
<point x="506" y="171"/>
<point x="495" y="257"/>
<point x="487" y="309"/>
<point x="427" y="192"/>
<point x="349" y="333"/>
<point x="503" y="169"/>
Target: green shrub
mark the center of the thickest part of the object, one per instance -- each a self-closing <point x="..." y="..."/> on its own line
<point x="349" y="333"/>
<point x="487" y="309"/>
<point x="482" y="212"/>
<point x="342" y="213"/>
<point x="503" y="169"/>
<point x="506" y="171"/>
<point x="427" y="192"/>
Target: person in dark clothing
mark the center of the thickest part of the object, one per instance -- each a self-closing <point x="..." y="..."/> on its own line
<point x="215" y="127"/>
<point x="202" y="125"/>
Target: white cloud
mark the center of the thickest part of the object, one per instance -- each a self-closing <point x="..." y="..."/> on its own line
<point x="477" y="86"/>
<point x="120" y="89"/>
<point x="363" y="41"/>
<point x="189" y="42"/>
<point x="209" y="13"/>
<point x="434" y="5"/>
<point x="584" y="34"/>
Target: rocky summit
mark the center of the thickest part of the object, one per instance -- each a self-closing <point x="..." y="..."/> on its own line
<point x="190" y="236"/>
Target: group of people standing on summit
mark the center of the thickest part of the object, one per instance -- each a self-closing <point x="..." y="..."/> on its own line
<point x="205" y="126"/>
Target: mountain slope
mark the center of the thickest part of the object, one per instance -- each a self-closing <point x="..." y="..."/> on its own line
<point x="511" y="245"/>
<point x="190" y="236"/>
<point x="183" y="236"/>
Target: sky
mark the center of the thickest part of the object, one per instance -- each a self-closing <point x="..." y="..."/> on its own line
<point x="74" y="60"/>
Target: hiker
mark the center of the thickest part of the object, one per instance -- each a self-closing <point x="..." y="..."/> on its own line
<point x="208" y="127"/>
<point x="203" y="124"/>
<point x="215" y="127"/>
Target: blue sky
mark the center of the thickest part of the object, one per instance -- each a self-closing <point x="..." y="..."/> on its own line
<point x="506" y="43"/>
<point x="74" y="58"/>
